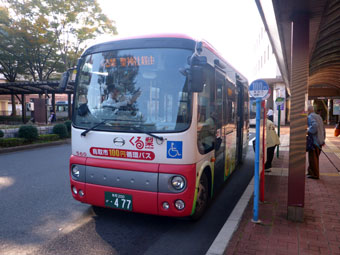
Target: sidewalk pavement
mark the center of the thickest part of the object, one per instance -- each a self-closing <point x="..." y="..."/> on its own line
<point x="320" y="231"/>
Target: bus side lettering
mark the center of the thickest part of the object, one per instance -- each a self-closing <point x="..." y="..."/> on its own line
<point x="119" y="153"/>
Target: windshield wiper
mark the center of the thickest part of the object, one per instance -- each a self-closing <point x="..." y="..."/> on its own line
<point x="93" y="127"/>
<point x="148" y="133"/>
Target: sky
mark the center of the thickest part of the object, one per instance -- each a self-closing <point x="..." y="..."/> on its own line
<point x="231" y="26"/>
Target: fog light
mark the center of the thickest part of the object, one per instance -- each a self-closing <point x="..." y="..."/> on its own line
<point x="74" y="189"/>
<point x="179" y="204"/>
<point x="75" y="171"/>
<point x="81" y="193"/>
<point x="178" y="182"/>
<point x="166" y="206"/>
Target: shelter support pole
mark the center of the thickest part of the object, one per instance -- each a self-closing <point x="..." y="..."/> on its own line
<point x="69" y="106"/>
<point x="53" y="102"/>
<point x="328" y="111"/>
<point x="23" y="108"/>
<point x="298" y="116"/>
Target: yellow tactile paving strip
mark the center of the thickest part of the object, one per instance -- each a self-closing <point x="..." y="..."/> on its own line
<point x="332" y="148"/>
<point x="284" y="172"/>
<point x="330" y="174"/>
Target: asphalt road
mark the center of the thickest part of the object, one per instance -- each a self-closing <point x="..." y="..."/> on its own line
<point x="39" y="215"/>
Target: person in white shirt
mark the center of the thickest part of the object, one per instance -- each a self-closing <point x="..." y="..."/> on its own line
<point x="117" y="100"/>
<point x="270" y="114"/>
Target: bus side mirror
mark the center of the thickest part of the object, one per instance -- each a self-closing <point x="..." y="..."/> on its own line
<point x="198" y="60"/>
<point x="63" y="81"/>
<point x="197" y="79"/>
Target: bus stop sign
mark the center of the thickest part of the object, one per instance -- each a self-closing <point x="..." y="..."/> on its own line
<point x="258" y="89"/>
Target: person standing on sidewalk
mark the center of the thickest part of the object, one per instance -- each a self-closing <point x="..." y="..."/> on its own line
<point x="317" y="130"/>
<point x="270" y="114"/>
<point x="272" y="140"/>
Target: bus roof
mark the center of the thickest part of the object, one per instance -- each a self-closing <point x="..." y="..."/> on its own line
<point x="142" y="41"/>
<point x="165" y="35"/>
<point x="209" y="47"/>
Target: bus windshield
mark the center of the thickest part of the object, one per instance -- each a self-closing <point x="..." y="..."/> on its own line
<point x="135" y="89"/>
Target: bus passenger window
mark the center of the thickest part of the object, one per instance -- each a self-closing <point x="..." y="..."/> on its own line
<point x="231" y="104"/>
<point x="206" y="119"/>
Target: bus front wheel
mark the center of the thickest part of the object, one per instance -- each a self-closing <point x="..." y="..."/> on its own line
<point x="202" y="197"/>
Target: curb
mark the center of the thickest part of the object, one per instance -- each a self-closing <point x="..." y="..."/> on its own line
<point x="221" y="241"/>
<point x="34" y="146"/>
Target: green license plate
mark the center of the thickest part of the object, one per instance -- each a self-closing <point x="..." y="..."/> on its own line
<point x="118" y="201"/>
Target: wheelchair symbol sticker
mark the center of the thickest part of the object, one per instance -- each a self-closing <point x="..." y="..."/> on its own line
<point x="174" y="149"/>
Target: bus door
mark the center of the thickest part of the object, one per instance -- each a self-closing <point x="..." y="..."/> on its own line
<point x="230" y="128"/>
<point x="240" y="121"/>
<point x="219" y="138"/>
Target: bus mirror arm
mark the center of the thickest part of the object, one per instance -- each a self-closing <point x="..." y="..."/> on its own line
<point x="196" y="60"/>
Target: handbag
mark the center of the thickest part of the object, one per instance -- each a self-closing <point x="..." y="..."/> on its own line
<point x="309" y="143"/>
<point x="337" y="130"/>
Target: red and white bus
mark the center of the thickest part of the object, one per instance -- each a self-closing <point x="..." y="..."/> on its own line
<point x="175" y="130"/>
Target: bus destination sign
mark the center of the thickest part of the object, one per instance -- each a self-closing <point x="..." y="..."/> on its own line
<point x="129" y="61"/>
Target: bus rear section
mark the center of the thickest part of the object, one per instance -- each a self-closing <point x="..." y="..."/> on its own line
<point x="154" y="126"/>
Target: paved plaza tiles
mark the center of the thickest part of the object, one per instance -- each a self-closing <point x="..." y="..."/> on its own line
<point x="319" y="233"/>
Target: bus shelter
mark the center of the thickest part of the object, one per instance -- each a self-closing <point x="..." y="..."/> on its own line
<point x="305" y="37"/>
<point x="42" y="88"/>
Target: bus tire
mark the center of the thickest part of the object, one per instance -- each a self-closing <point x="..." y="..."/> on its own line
<point x="98" y="210"/>
<point x="202" y="198"/>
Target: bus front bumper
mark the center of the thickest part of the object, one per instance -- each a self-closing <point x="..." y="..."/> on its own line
<point x="134" y="190"/>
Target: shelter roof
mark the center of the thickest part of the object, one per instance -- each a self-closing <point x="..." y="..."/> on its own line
<point x="41" y="87"/>
<point x="324" y="40"/>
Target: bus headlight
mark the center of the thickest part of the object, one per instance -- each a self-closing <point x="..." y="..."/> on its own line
<point x="178" y="182"/>
<point x="74" y="189"/>
<point x="75" y="171"/>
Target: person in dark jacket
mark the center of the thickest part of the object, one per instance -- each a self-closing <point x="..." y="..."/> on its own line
<point x="52" y="117"/>
<point x="317" y="130"/>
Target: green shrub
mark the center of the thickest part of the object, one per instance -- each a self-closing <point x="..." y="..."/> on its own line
<point x="68" y="124"/>
<point x="12" y="120"/>
<point x="1" y="133"/>
<point x="11" y="142"/>
<point x="61" y="130"/>
<point x="49" y="137"/>
<point x="30" y="133"/>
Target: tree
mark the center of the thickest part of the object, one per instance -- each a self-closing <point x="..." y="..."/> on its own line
<point x="50" y="35"/>
<point x="10" y="60"/>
